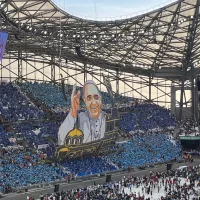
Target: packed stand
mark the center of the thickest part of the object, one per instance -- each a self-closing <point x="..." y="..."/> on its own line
<point x="146" y="150"/>
<point x="6" y="138"/>
<point x="41" y="137"/>
<point x="146" y="116"/>
<point x="52" y="96"/>
<point x="48" y="93"/>
<point x="88" y="166"/>
<point x="188" y="127"/>
<point x="40" y="134"/>
<point x="180" y="184"/>
<point x="19" y="168"/>
<point x="15" y="106"/>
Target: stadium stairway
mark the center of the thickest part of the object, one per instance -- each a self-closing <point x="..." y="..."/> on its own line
<point x="36" y="102"/>
<point x="7" y="126"/>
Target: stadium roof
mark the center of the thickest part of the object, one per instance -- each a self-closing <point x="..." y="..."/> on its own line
<point x="166" y="37"/>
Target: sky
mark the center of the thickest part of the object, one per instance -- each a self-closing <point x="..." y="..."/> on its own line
<point x="99" y="9"/>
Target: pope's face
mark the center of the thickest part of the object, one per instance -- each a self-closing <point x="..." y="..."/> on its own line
<point x="92" y="100"/>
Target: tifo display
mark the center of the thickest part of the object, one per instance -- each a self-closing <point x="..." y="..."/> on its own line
<point x="32" y="134"/>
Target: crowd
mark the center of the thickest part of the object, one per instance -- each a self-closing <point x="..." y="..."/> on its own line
<point x="88" y="166"/>
<point x="39" y="133"/>
<point x="143" y="150"/>
<point x="188" y="127"/>
<point x="146" y="117"/>
<point x="40" y="137"/>
<point x="52" y="95"/>
<point x="180" y="184"/>
<point x="48" y="93"/>
<point x="147" y="150"/>
<point x="15" y="106"/>
<point x="20" y="168"/>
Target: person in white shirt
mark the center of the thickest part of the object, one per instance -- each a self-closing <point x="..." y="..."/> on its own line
<point x="92" y="122"/>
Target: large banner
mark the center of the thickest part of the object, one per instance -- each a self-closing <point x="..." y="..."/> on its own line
<point x="3" y="39"/>
<point x="89" y="129"/>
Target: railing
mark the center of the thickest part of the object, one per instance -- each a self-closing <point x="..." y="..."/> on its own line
<point x="90" y="177"/>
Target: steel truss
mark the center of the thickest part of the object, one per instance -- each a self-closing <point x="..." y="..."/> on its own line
<point x="44" y="40"/>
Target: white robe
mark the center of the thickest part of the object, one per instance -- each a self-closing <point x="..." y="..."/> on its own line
<point x="93" y="129"/>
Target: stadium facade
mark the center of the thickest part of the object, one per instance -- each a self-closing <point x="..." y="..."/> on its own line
<point x="153" y="56"/>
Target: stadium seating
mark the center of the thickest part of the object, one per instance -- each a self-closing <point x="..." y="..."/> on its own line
<point x="88" y="166"/>
<point x="51" y="95"/>
<point x="146" y="150"/>
<point x="48" y="93"/>
<point x="15" y="106"/>
<point x="21" y="169"/>
<point x="4" y="138"/>
<point x="145" y="117"/>
<point x="18" y="169"/>
<point x="40" y="134"/>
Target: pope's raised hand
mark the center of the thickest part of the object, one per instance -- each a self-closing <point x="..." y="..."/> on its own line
<point x="75" y="102"/>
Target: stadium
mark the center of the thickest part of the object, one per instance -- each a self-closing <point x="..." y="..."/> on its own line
<point x="94" y="109"/>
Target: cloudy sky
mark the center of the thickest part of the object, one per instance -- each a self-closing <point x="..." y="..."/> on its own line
<point x="109" y="8"/>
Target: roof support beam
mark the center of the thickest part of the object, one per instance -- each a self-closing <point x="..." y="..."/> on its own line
<point x="187" y="60"/>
